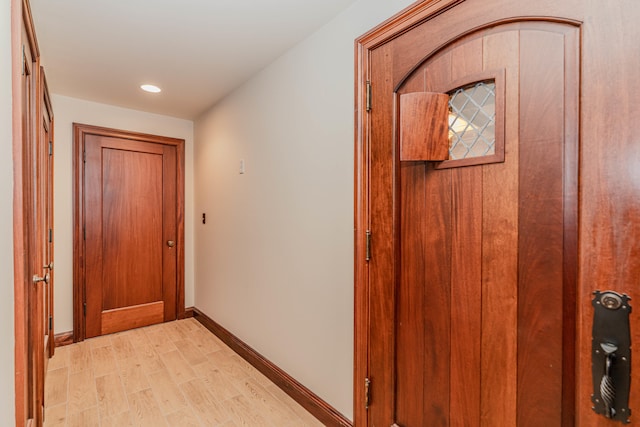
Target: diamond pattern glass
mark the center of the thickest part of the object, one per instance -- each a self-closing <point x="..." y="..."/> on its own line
<point x="472" y="121"/>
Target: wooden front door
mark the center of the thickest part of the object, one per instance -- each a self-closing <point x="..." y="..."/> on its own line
<point x="473" y="296"/>
<point x="487" y="239"/>
<point x="132" y="231"/>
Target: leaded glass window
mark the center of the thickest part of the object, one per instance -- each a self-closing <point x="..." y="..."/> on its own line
<point x="472" y="121"/>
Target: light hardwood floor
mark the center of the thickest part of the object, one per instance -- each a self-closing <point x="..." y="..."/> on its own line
<point x="172" y="374"/>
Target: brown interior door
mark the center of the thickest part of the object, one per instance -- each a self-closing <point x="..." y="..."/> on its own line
<point x="484" y="272"/>
<point x="46" y="155"/>
<point x="474" y="282"/>
<point x="33" y="238"/>
<point x="131" y="233"/>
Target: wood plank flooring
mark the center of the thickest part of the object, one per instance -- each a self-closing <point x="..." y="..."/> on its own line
<point x="175" y="374"/>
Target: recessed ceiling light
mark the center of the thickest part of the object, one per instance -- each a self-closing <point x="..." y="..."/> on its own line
<point x="150" y="88"/>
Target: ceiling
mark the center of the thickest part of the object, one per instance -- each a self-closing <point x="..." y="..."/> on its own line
<point x="197" y="51"/>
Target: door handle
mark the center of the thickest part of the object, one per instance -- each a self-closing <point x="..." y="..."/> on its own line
<point x="48" y="266"/>
<point x="37" y="279"/>
<point x="611" y="355"/>
<point x="171" y="243"/>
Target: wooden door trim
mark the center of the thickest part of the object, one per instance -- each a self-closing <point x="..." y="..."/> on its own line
<point x="79" y="133"/>
<point x="21" y="18"/>
<point x="19" y="241"/>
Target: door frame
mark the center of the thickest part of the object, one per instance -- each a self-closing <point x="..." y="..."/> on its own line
<point x="79" y="293"/>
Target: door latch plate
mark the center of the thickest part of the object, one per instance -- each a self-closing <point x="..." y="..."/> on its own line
<point x="611" y="355"/>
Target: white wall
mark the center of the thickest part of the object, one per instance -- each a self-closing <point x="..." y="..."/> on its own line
<point x="66" y="112"/>
<point x="7" y="394"/>
<point x="274" y="263"/>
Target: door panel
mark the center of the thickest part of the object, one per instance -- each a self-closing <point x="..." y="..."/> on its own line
<point x="534" y="346"/>
<point x="485" y="260"/>
<point x="457" y="307"/>
<point x="130" y="214"/>
<point x="131" y="206"/>
<point x="46" y="137"/>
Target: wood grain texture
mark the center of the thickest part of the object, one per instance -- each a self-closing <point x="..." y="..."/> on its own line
<point x="19" y="227"/>
<point x="466" y="263"/>
<point x="540" y="275"/>
<point x="122" y="319"/>
<point x="169" y="232"/>
<point x="63" y="338"/>
<point x="424" y="126"/>
<point x="305" y="397"/>
<point x="132" y="224"/>
<point x="500" y="250"/>
<point x="609" y="230"/>
<point x="410" y="331"/>
<point x="437" y="297"/>
<point x="137" y="261"/>
<point x="466" y="296"/>
<point x="382" y="270"/>
<point x="570" y="239"/>
<point x="223" y="389"/>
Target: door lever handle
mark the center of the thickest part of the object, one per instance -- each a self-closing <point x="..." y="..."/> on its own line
<point x="607" y="386"/>
<point x="37" y="279"/>
<point x="611" y="355"/>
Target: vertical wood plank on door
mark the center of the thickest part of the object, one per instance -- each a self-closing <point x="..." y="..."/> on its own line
<point x="410" y="333"/>
<point x="383" y="243"/>
<point x="541" y="226"/>
<point x="500" y="250"/>
<point x="437" y="296"/>
<point x="570" y="257"/>
<point x="610" y="209"/>
<point x="439" y="70"/>
<point x="466" y="266"/>
<point x="466" y="60"/>
<point x="466" y="295"/>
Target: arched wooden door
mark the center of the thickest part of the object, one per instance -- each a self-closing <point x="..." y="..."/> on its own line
<point x="487" y="239"/>
<point x="473" y="296"/>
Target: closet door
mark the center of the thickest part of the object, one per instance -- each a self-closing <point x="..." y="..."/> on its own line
<point x="32" y="204"/>
<point x="46" y="188"/>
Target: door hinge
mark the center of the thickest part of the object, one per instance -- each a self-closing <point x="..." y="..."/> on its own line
<point x="50" y="148"/>
<point x="24" y="59"/>
<point x="368" y="251"/>
<point x="50" y="235"/>
<point x="368" y="95"/>
<point x="84" y="308"/>
<point x="50" y="322"/>
<point x="367" y="392"/>
<point x="84" y="156"/>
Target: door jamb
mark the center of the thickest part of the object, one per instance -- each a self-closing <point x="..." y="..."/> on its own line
<point x="79" y="132"/>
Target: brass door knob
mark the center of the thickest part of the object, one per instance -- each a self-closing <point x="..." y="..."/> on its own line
<point x="37" y="279"/>
<point x="171" y="243"/>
